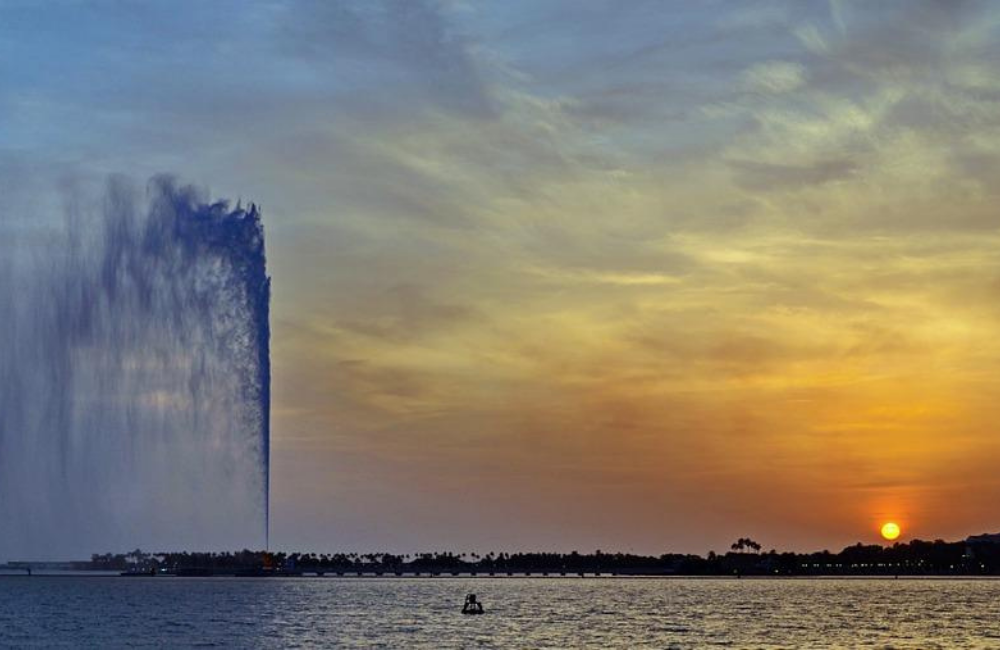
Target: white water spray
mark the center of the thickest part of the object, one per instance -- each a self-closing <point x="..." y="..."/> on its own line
<point x="135" y="380"/>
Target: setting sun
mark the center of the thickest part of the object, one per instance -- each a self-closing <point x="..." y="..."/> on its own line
<point x="890" y="530"/>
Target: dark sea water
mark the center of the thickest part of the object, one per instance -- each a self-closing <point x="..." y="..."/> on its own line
<point x="75" y="612"/>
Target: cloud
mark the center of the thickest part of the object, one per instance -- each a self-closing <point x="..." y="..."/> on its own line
<point x="774" y="77"/>
<point x="771" y="176"/>
<point x="682" y="254"/>
<point x="391" y="49"/>
<point x="404" y="313"/>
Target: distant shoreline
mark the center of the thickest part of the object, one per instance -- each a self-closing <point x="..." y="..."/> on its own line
<point x="90" y="575"/>
<point x="465" y="577"/>
<point x="974" y="557"/>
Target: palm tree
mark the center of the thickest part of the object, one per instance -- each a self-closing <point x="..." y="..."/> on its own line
<point x="744" y="543"/>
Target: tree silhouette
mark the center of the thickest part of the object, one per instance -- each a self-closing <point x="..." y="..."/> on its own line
<point x="745" y="543"/>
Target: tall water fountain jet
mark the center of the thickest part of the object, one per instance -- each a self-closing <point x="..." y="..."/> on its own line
<point x="135" y="379"/>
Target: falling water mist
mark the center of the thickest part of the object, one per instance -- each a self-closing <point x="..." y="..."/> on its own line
<point x="135" y="379"/>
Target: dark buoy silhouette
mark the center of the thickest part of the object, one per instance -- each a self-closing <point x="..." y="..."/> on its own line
<point x="472" y="606"/>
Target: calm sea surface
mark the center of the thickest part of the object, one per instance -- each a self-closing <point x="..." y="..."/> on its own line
<point x="521" y="613"/>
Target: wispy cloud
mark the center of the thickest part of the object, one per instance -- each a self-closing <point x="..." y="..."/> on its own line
<point x="680" y="256"/>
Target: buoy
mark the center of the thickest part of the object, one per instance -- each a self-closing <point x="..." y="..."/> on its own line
<point x="472" y="606"/>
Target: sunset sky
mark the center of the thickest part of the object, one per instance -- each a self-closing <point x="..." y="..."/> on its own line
<point x="568" y="275"/>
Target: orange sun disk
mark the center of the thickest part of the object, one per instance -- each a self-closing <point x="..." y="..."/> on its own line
<point x="890" y="530"/>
